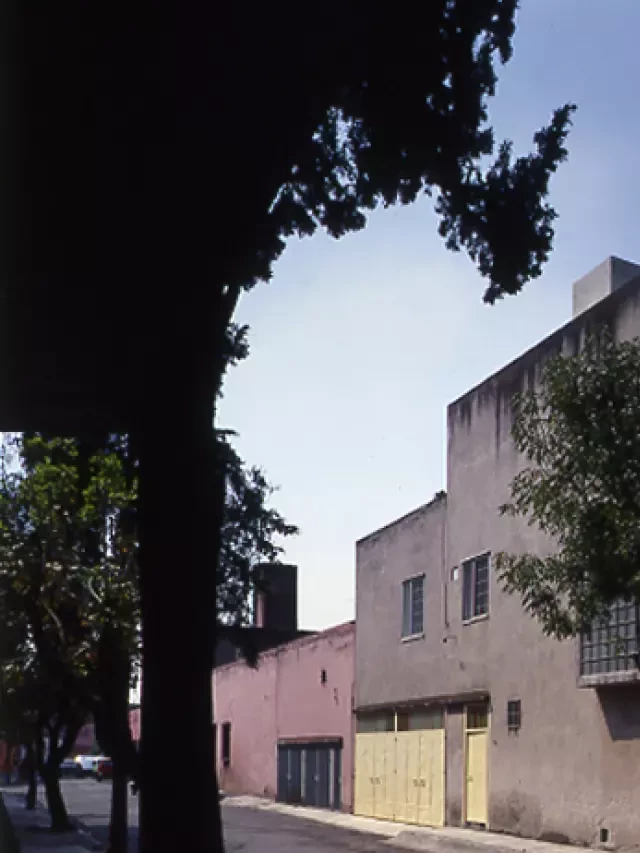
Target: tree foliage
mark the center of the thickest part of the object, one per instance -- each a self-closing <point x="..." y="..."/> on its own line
<point x="67" y="581"/>
<point x="251" y="534"/>
<point x="398" y="111"/>
<point x="579" y="433"/>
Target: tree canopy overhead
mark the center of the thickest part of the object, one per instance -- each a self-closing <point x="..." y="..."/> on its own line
<point x="579" y="434"/>
<point x="217" y="134"/>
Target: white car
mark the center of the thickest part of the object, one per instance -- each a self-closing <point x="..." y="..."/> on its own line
<point x="89" y="763"/>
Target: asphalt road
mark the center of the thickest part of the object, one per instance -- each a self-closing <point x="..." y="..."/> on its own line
<point x="246" y="830"/>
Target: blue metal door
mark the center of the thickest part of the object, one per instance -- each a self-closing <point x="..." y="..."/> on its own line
<point x="316" y="776"/>
<point x="289" y="774"/>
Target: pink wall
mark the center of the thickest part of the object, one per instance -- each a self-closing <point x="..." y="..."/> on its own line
<point x="285" y="699"/>
<point x="85" y="741"/>
<point x="247" y="698"/>
<point x="134" y="723"/>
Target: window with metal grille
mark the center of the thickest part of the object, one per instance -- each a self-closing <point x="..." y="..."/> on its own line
<point x="514" y="715"/>
<point x="612" y="644"/>
<point x="413" y="606"/>
<point x="475" y="587"/>
<point x="226" y="744"/>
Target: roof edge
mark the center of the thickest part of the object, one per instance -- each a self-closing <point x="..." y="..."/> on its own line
<point x="439" y="498"/>
<point x="583" y="318"/>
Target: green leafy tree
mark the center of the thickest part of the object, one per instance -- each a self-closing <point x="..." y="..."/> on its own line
<point x="65" y="580"/>
<point x="251" y="534"/>
<point x="579" y="434"/>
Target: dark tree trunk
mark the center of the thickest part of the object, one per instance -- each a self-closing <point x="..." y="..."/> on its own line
<point x="31" y="779"/>
<point x="181" y="501"/>
<point x="57" y="809"/>
<point x="118" y="712"/>
<point x="118" y="822"/>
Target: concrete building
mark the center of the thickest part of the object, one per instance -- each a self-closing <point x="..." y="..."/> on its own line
<point x="466" y="712"/>
<point x="285" y="728"/>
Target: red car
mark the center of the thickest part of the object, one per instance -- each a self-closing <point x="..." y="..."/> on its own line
<point x="104" y="770"/>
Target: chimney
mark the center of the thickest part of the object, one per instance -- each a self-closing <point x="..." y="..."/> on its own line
<point x="609" y="276"/>
<point x="276" y="598"/>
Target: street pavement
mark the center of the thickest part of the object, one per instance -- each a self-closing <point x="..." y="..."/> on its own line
<point x="246" y="829"/>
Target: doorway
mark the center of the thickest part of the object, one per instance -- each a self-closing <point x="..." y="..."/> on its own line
<point x="476" y="764"/>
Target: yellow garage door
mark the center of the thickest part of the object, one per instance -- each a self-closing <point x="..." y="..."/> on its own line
<point x="364" y="783"/>
<point x="385" y="805"/>
<point x="374" y="775"/>
<point x="431" y="778"/>
<point x="406" y="761"/>
<point x="399" y="775"/>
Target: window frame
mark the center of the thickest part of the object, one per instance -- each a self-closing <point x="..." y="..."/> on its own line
<point x="470" y="591"/>
<point x="603" y="653"/>
<point x="514" y="715"/>
<point x="408" y="584"/>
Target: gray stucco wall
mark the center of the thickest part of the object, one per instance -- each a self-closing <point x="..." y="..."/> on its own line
<point x="574" y="767"/>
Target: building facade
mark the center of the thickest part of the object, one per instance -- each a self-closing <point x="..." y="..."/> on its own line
<point x="284" y="729"/>
<point x="466" y="713"/>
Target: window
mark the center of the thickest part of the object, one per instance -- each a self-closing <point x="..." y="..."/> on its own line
<point x="477" y="716"/>
<point x="226" y="744"/>
<point x="381" y="721"/>
<point x="475" y="588"/>
<point x="611" y="645"/>
<point x="514" y="715"/>
<point x="419" y="719"/>
<point x="413" y="606"/>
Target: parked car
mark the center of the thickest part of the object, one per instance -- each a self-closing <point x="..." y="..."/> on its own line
<point x="70" y="768"/>
<point x="89" y="763"/>
<point x="105" y="769"/>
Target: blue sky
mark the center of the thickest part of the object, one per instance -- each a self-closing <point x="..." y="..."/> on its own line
<point x="358" y="345"/>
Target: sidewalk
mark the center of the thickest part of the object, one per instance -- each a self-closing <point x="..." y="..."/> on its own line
<point x="32" y="829"/>
<point x="403" y="836"/>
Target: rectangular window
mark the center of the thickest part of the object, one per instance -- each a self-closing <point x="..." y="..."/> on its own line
<point x="419" y="719"/>
<point x="475" y="587"/>
<point x="477" y="716"/>
<point x="368" y="723"/>
<point x="612" y="644"/>
<point x="514" y="715"/>
<point x="226" y="744"/>
<point x="413" y="606"/>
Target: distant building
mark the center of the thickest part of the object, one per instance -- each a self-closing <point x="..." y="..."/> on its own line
<point x="466" y="713"/>
<point x="86" y="740"/>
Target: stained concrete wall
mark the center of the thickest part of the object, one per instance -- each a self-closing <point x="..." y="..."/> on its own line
<point x="574" y="767"/>
<point x="285" y="698"/>
<point x="601" y="281"/>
